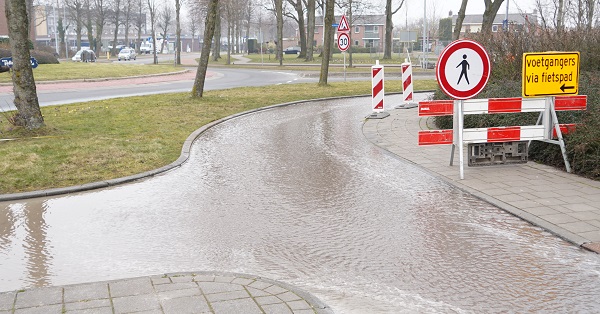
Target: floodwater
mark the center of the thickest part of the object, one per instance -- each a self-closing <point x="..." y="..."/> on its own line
<point x="298" y="194"/>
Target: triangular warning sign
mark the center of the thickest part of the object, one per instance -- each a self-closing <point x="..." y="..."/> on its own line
<point x="343" y="26"/>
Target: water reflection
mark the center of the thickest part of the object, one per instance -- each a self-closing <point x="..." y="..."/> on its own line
<point x="297" y="194"/>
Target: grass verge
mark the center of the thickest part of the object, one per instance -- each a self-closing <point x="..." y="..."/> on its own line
<point x="107" y="139"/>
<point x="92" y="70"/>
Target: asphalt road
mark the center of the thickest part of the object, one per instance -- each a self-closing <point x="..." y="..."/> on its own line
<point x="220" y="78"/>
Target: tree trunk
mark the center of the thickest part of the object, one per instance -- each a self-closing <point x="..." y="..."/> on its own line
<point x="310" y="38"/>
<point x="328" y="33"/>
<point x="117" y="12"/>
<point x="178" y="32"/>
<point x="301" y="29"/>
<point x="209" y="31"/>
<point x="26" y="100"/>
<point x="387" y="51"/>
<point x="491" y="9"/>
<point x="279" y="13"/>
<point x="217" y="36"/>
<point x="459" y="20"/>
<point x="560" y="15"/>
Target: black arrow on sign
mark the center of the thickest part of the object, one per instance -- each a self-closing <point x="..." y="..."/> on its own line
<point x="563" y="87"/>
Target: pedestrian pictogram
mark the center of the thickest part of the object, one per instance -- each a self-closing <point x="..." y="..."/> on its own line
<point x="465" y="66"/>
<point x="463" y="69"/>
<point x="343" y="41"/>
<point x="343" y="26"/>
<point x="550" y="73"/>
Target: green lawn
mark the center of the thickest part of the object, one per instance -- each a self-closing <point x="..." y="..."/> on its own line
<point x="92" y="70"/>
<point x="107" y="139"/>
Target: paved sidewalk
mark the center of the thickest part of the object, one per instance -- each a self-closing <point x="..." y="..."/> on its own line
<point x="180" y="293"/>
<point x="565" y="204"/>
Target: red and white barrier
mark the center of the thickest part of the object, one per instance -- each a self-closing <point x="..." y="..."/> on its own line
<point x="546" y="131"/>
<point x="407" y="83"/>
<point x="501" y="105"/>
<point x="378" y="88"/>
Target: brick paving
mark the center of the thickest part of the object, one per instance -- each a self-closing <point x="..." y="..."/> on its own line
<point x="179" y="293"/>
<point x="565" y="204"/>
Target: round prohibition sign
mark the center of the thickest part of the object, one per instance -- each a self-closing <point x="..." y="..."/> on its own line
<point x="463" y="69"/>
<point x="343" y="41"/>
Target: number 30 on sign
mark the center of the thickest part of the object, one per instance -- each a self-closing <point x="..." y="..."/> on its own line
<point x="343" y="42"/>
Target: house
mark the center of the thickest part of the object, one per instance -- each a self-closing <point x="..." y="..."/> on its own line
<point x="516" y="22"/>
<point x="366" y="31"/>
<point x="4" y="22"/>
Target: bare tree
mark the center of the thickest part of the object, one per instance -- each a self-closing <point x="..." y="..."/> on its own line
<point x="229" y="16"/>
<point x="165" y="19"/>
<point x="152" y="9"/>
<point x="489" y="14"/>
<point x="26" y="100"/>
<point x="193" y="21"/>
<point x="248" y="12"/>
<point x="560" y="15"/>
<point x="89" y="25"/>
<point x="129" y="6"/>
<point x="116" y="11"/>
<point x="178" y="5"/>
<point x="279" y="15"/>
<point x="310" y="31"/>
<point x="139" y="21"/>
<point x="299" y="18"/>
<point x="209" y="31"/>
<point x="217" y="35"/>
<point x="460" y="19"/>
<point x="77" y="15"/>
<point x="328" y="33"/>
<point x="389" y="26"/>
<point x="100" y="14"/>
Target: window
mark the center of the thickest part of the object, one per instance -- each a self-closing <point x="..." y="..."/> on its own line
<point x="371" y="29"/>
<point x="357" y="29"/>
<point x="316" y="29"/>
<point x="494" y="28"/>
<point x="356" y="43"/>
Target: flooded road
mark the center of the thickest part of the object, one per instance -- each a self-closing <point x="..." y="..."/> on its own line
<point x="297" y="194"/>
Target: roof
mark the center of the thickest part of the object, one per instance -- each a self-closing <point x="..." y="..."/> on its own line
<point x="517" y="18"/>
<point x="358" y="20"/>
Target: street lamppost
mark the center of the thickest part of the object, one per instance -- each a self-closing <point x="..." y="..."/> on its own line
<point x="424" y="66"/>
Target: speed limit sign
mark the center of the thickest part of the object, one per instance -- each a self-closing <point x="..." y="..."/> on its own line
<point x="343" y="41"/>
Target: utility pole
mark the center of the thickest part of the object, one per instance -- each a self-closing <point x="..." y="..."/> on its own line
<point x="55" y="28"/>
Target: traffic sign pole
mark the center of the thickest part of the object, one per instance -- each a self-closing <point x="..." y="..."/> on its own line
<point x="344" y="53"/>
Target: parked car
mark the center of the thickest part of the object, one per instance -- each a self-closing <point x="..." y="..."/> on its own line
<point x="127" y="54"/>
<point x="291" y="50"/>
<point x="84" y="55"/>
<point x="146" y="48"/>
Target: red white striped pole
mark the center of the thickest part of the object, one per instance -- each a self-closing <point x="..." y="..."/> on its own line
<point x="378" y="88"/>
<point x="407" y="87"/>
<point x="377" y="92"/>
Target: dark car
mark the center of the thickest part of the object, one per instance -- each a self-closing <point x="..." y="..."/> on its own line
<point x="291" y="50"/>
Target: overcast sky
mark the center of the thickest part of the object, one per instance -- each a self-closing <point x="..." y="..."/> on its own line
<point x="442" y="7"/>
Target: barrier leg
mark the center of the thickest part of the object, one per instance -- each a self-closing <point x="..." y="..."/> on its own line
<point x="561" y="142"/>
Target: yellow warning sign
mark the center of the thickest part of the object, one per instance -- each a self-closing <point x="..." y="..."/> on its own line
<point x="550" y="74"/>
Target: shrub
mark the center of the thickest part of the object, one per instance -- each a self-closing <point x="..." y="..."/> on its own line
<point x="42" y="57"/>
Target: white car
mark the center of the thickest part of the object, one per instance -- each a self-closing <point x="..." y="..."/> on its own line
<point x="127" y="54"/>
